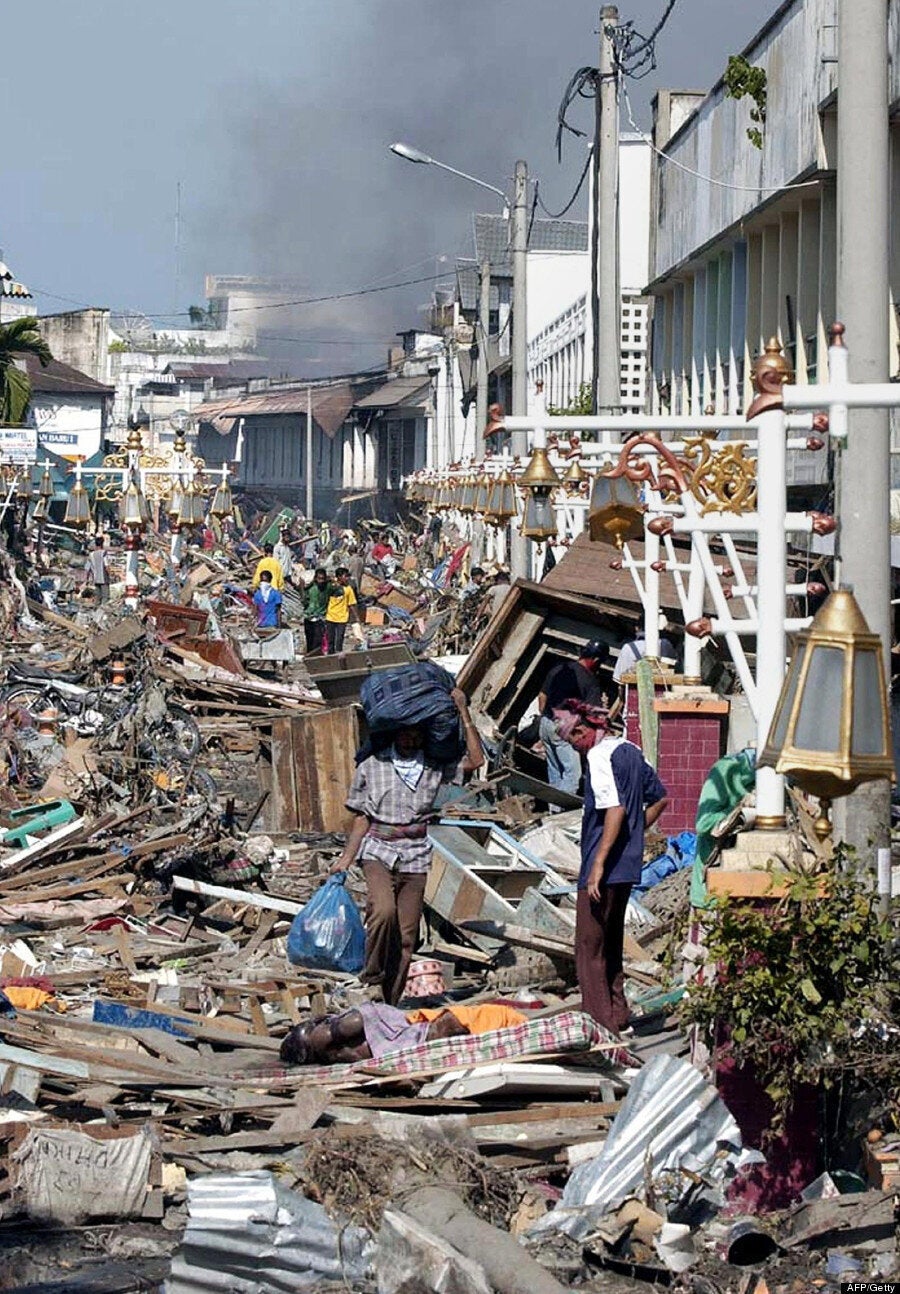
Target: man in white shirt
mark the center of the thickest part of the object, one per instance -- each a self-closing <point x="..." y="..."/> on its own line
<point x="631" y="652"/>
<point x="283" y="553"/>
<point x="96" y="570"/>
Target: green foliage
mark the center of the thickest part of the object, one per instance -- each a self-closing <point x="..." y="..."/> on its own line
<point x="17" y="338"/>
<point x="117" y="347"/>
<point x="743" y="78"/>
<point x="804" y="987"/>
<point x="580" y="406"/>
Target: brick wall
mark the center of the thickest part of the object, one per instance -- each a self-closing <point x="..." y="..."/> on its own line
<point x="691" y="739"/>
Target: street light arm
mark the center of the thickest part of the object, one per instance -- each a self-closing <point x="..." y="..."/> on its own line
<point x="413" y="155"/>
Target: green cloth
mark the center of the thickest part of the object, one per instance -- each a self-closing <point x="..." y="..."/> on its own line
<point x="315" y="601"/>
<point x="645" y="670"/>
<point x="729" y="780"/>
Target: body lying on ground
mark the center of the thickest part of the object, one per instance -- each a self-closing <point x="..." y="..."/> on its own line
<point x="373" y="1029"/>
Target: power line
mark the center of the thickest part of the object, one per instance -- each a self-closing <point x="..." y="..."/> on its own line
<point x="709" y="179"/>
<point x="634" y="54"/>
<point x="558" y="215"/>
<point x="274" y="305"/>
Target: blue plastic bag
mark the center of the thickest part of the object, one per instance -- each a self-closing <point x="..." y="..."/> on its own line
<point x="328" y="933"/>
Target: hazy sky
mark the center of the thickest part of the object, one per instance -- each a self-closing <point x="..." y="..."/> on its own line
<point x="275" y="116"/>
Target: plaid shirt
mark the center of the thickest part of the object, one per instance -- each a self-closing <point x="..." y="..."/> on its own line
<point x="378" y="791"/>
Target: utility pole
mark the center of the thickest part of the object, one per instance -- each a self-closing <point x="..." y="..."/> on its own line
<point x="605" y="305"/>
<point x="518" y="548"/>
<point x="309" y="455"/>
<point x="481" y="337"/>
<point x="862" y="303"/>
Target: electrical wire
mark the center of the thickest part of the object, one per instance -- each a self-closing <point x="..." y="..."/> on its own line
<point x="558" y="215"/>
<point x="689" y="170"/>
<point x="635" y="55"/>
<point x="272" y="305"/>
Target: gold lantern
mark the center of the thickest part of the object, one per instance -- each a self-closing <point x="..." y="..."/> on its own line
<point x="133" y="507"/>
<point x="45" y="489"/>
<point x="540" y="473"/>
<point x="482" y="496"/>
<point x="575" y="477"/>
<point x="467" y="494"/>
<point x="615" y="512"/>
<point x="539" y="522"/>
<point x="222" y="505"/>
<point x="175" y="501"/>
<point x="191" y="513"/>
<point x="539" y="479"/>
<point x="78" y="507"/>
<point x="502" y="504"/>
<point x="831" y="728"/>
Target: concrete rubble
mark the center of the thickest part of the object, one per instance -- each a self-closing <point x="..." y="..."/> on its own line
<point x="172" y="796"/>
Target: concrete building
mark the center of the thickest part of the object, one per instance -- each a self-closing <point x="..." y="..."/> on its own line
<point x="69" y="410"/>
<point x="558" y="269"/>
<point x="744" y="240"/>
<point x="560" y="341"/>
<point x="368" y="432"/>
<point x="80" y="338"/>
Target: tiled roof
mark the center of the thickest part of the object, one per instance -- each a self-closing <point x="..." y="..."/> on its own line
<point x="585" y="571"/>
<point x="492" y="239"/>
<point x="468" y="278"/>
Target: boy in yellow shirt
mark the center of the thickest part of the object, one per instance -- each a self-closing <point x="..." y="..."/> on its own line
<point x="341" y="611"/>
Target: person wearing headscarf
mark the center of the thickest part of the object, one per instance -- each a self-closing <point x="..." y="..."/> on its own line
<point x="623" y="796"/>
<point x="393" y="796"/>
<point x="570" y="678"/>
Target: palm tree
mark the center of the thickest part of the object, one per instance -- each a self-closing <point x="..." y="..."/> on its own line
<point x="19" y="337"/>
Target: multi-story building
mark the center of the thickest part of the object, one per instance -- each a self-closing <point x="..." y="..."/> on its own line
<point x="560" y="347"/>
<point x="744" y="239"/>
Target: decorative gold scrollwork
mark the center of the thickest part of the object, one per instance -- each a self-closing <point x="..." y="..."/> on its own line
<point x="723" y="478"/>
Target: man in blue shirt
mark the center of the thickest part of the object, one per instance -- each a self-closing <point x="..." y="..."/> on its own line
<point x="622" y="797"/>
<point x="267" y="601"/>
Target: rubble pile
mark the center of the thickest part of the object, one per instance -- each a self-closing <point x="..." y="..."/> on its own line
<point x="170" y="803"/>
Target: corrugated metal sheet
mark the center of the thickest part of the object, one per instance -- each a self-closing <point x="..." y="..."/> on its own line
<point x="247" y="1234"/>
<point x="401" y="391"/>
<point x="672" y="1127"/>
<point x="331" y="406"/>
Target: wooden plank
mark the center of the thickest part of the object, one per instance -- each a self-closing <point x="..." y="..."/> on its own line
<point x="120" y="937"/>
<point x="120" y="879"/>
<point x="266" y="1139"/>
<point x="265" y="901"/>
<point x="256" y="1015"/>
<point x="283" y="810"/>
<point x="61" y="1066"/>
<point x="266" y="923"/>
<point x="750" y="884"/>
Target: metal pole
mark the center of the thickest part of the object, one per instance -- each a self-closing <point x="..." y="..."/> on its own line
<point x="693" y="646"/>
<point x="309" y="455"/>
<point x="863" y="303"/>
<point x="607" y="364"/>
<point x="518" y="548"/>
<point x="771" y="578"/>
<point x="481" y="399"/>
